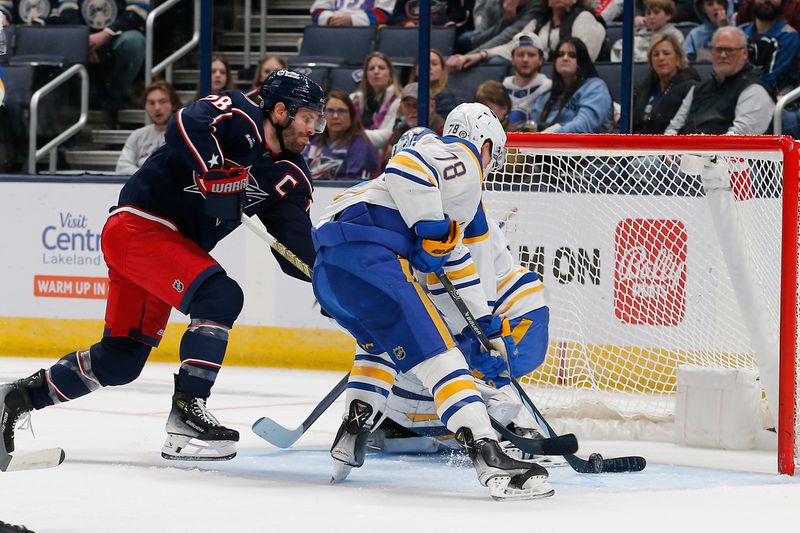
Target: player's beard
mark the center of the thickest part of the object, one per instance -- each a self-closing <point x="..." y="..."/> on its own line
<point x="767" y="11"/>
<point x="292" y="141"/>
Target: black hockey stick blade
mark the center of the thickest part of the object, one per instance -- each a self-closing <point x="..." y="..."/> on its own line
<point x="282" y="437"/>
<point x="560" y="445"/>
<point x="596" y="464"/>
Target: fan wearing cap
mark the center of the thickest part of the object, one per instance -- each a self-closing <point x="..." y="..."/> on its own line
<point x="407" y="117"/>
<point x="528" y="83"/>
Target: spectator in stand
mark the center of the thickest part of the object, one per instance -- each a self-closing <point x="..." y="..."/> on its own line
<point x="376" y="99"/>
<point x="341" y="152"/>
<point x="351" y="12"/>
<point x="657" y="19"/>
<point x="790" y="10"/>
<point x="268" y="65"/>
<point x="772" y="44"/>
<point x="733" y="101"/>
<point x="443" y="13"/>
<point x="569" y="18"/>
<point x="493" y="95"/>
<point x="527" y="84"/>
<point x="445" y="99"/>
<point x="712" y="14"/>
<point x="496" y="23"/>
<point x="407" y="118"/>
<point x="611" y="10"/>
<point x="579" y="101"/>
<point x="221" y="77"/>
<point x="119" y="41"/>
<point x="657" y="96"/>
<point x="160" y="102"/>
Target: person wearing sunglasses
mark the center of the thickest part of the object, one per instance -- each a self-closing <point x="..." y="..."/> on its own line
<point x="342" y="151"/>
<point x="578" y="101"/>
<point x="734" y="101"/>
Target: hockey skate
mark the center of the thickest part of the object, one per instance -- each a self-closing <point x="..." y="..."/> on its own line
<point x="350" y="445"/>
<point x="506" y="478"/>
<point x="193" y="434"/>
<point x="15" y="404"/>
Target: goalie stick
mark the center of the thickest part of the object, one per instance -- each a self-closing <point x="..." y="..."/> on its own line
<point x="596" y="463"/>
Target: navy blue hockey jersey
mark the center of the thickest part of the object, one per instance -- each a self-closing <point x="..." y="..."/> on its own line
<point x="227" y="127"/>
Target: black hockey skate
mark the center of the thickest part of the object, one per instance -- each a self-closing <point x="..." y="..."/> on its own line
<point x="506" y="478"/>
<point x="193" y="434"/>
<point x="350" y="445"/>
<point x="15" y="403"/>
<point x="11" y="528"/>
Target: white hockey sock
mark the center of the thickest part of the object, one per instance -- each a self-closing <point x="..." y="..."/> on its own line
<point x="371" y="380"/>
<point x="458" y="401"/>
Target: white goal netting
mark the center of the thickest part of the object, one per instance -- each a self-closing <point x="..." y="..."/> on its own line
<point x="652" y="257"/>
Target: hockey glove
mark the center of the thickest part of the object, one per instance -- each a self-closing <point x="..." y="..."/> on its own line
<point x="496" y="363"/>
<point x="225" y="192"/>
<point x="435" y="240"/>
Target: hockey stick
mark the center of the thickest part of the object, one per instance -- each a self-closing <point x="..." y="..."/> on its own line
<point x="558" y="445"/>
<point x="596" y="463"/>
<point x="287" y="254"/>
<point x="47" y="458"/>
<point x="279" y="436"/>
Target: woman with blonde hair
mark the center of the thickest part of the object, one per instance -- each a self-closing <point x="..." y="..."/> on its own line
<point x="377" y="99"/>
<point x="444" y="97"/>
<point x="657" y="96"/>
<point x="269" y="64"/>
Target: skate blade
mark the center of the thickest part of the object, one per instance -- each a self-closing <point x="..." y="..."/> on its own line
<point x="184" y="448"/>
<point x="340" y="471"/>
<point x="500" y="489"/>
<point x="36" y="460"/>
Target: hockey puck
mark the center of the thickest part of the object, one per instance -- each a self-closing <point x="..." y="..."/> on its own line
<point x="596" y="463"/>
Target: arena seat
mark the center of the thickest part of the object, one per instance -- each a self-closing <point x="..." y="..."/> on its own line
<point x="317" y="74"/>
<point x="335" y="45"/>
<point x="343" y="79"/>
<point x="464" y="83"/>
<point x="5" y="58"/>
<point x="51" y="45"/>
<point x="401" y="44"/>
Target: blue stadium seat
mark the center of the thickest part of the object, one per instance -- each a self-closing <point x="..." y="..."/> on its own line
<point x="686" y="27"/>
<point x="401" y="44"/>
<point x="464" y="83"/>
<point x="318" y="74"/>
<point x="335" y="45"/>
<point x="344" y="79"/>
<point x="51" y="45"/>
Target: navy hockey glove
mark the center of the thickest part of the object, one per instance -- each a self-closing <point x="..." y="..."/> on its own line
<point x="225" y="192"/>
<point x="493" y="366"/>
<point x="435" y="240"/>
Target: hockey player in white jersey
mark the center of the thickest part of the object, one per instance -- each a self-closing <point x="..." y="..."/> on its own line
<point x="371" y="242"/>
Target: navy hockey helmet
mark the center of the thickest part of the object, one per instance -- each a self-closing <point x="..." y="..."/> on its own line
<point x="295" y="90"/>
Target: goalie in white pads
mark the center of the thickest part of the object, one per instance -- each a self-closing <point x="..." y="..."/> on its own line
<point x="370" y="242"/>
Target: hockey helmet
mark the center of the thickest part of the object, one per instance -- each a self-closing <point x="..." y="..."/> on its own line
<point x="477" y="124"/>
<point x="410" y="138"/>
<point x="295" y="90"/>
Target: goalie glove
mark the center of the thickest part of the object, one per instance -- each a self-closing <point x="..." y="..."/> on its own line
<point x="225" y="189"/>
<point x="435" y="240"/>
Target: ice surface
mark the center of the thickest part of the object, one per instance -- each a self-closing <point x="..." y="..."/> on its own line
<point x="114" y="479"/>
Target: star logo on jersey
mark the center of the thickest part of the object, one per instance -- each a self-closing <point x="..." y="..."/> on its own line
<point x="253" y="194"/>
<point x="214" y="161"/>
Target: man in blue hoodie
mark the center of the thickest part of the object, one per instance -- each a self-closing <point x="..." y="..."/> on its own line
<point x="772" y="43"/>
<point x="713" y="14"/>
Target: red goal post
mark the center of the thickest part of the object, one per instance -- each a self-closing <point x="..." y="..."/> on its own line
<point x="702" y="234"/>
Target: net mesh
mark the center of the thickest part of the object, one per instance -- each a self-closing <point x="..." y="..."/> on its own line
<point x="651" y="259"/>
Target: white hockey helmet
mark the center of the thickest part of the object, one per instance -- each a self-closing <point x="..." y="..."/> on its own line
<point x="410" y="138"/>
<point x="477" y="124"/>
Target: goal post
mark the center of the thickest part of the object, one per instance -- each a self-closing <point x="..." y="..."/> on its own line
<point x="657" y="251"/>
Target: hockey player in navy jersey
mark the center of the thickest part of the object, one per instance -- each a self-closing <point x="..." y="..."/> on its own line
<point x="371" y="243"/>
<point x="224" y="155"/>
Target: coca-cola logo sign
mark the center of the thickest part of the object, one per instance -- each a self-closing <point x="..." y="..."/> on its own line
<point x="650" y="271"/>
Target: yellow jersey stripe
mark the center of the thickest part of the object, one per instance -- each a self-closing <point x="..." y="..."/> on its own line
<point x="521" y="329"/>
<point x="405" y="161"/>
<point x="518" y="297"/>
<point x="479" y="238"/>
<point x="374" y="373"/>
<point x="454" y="387"/>
<point x="461" y="273"/>
<point x="507" y="279"/>
<point x="447" y="337"/>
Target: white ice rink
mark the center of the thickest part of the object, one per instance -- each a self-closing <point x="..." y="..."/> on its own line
<point x="114" y="479"/>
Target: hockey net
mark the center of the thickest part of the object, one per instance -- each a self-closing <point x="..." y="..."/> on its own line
<point x="657" y="252"/>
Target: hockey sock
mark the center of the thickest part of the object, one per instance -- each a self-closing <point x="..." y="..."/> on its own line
<point x="202" y="350"/>
<point x="112" y="361"/>
<point x="457" y="399"/>
<point x="371" y="381"/>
